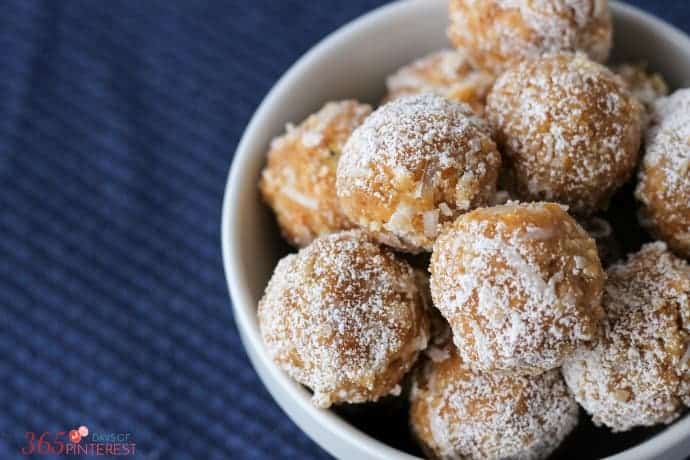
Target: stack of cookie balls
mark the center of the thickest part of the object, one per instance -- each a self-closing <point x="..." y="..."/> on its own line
<point x="499" y="158"/>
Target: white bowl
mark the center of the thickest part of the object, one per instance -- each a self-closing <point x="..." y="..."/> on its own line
<point x="353" y="63"/>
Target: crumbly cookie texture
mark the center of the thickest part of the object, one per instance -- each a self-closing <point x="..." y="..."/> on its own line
<point x="663" y="189"/>
<point x="457" y="413"/>
<point x="569" y="130"/>
<point x="639" y="373"/>
<point x="298" y="181"/>
<point x="520" y="285"/>
<point x="447" y="73"/>
<point x="415" y="164"/>
<point x="500" y="33"/>
<point x="344" y="317"/>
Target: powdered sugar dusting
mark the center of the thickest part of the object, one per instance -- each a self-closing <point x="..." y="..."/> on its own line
<point x="520" y="286"/>
<point x="406" y="159"/>
<point x="569" y="127"/>
<point x="345" y="318"/>
<point x="664" y="185"/>
<point x="446" y="73"/>
<point x="499" y="32"/>
<point x="458" y="413"/>
<point x="637" y="375"/>
<point x="299" y="179"/>
<point x="557" y="23"/>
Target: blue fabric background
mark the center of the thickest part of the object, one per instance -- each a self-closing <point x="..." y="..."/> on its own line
<point x="118" y="122"/>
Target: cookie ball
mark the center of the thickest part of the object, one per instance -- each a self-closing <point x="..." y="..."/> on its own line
<point x="520" y="285"/>
<point x="458" y="413"/>
<point x="569" y="130"/>
<point x="663" y="189"/>
<point x="299" y="180"/>
<point x="499" y="33"/>
<point x="413" y="165"/>
<point x="344" y="317"/>
<point x="646" y="86"/>
<point x="639" y="373"/>
<point x="447" y="73"/>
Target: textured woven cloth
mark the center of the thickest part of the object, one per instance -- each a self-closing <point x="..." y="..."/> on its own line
<point x="118" y="121"/>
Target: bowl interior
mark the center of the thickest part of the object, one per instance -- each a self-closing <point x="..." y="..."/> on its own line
<point x="353" y="63"/>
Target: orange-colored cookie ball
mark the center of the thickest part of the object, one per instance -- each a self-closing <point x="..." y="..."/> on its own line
<point x="413" y="165"/>
<point x="457" y="413"/>
<point x="639" y="372"/>
<point x="664" y="177"/>
<point x="520" y="285"/>
<point x="299" y="180"/>
<point x="569" y="130"/>
<point x="344" y="317"/>
<point x="500" y="33"/>
<point x="646" y="86"/>
<point x="447" y="73"/>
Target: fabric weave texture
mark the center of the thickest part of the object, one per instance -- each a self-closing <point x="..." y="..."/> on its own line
<point x="118" y="122"/>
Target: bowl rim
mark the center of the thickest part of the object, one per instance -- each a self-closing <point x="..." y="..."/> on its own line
<point x="241" y="299"/>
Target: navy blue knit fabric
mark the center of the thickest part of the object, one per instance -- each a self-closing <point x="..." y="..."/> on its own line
<point x="118" y="122"/>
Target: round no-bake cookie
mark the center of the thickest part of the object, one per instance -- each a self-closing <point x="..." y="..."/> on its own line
<point x="413" y="165"/>
<point x="345" y="317"/>
<point x="298" y="181"/>
<point x="520" y="285"/>
<point x="639" y="373"/>
<point x="499" y="33"/>
<point x="447" y="73"/>
<point x="569" y="130"/>
<point x="664" y="178"/>
<point x="457" y="413"/>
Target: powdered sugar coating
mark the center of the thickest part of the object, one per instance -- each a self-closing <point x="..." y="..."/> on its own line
<point x="520" y="285"/>
<point x="413" y="165"/>
<point x="447" y="73"/>
<point x="639" y="373"/>
<point x="499" y="33"/>
<point x="569" y="130"/>
<point x="344" y="317"/>
<point x="298" y="181"/>
<point x="460" y="414"/>
<point x="664" y="178"/>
